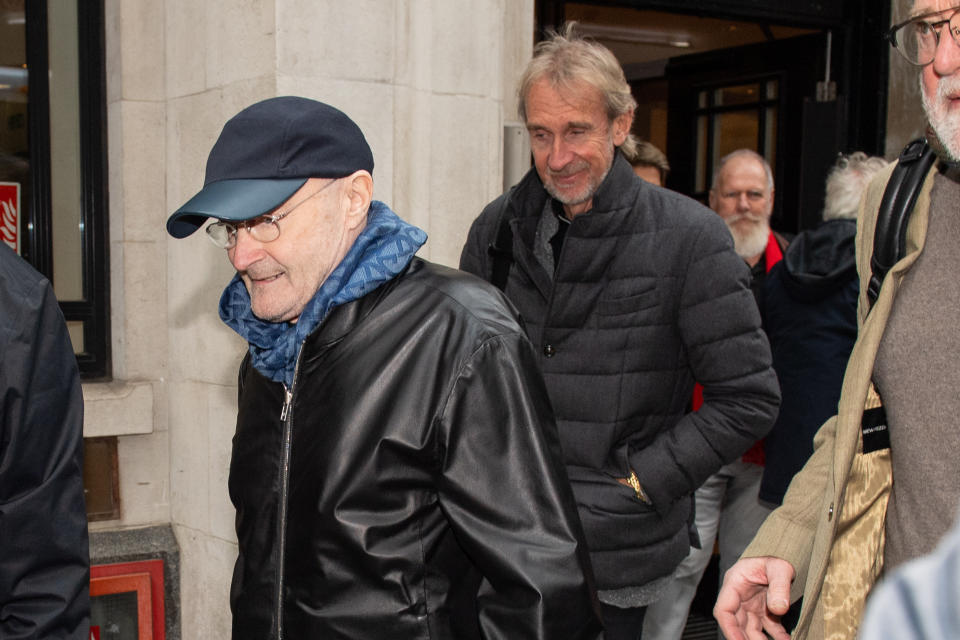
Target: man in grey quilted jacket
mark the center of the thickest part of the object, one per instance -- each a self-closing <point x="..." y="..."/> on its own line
<point x="630" y="294"/>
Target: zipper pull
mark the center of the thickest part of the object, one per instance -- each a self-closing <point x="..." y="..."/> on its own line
<point x="286" y="403"/>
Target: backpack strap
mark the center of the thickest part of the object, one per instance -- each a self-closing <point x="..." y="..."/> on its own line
<point x="899" y="198"/>
<point x="501" y="249"/>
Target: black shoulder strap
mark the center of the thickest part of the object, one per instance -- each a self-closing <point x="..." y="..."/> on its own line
<point x="890" y="235"/>
<point x="501" y="249"/>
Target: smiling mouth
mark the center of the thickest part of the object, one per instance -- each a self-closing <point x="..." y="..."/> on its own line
<point x="263" y="279"/>
<point x="568" y="178"/>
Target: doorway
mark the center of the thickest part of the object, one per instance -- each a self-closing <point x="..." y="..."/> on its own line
<point x="756" y="96"/>
<point x="788" y="79"/>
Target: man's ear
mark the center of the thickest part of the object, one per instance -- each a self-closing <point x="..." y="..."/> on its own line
<point x="359" y="192"/>
<point x="712" y="199"/>
<point x="621" y="127"/>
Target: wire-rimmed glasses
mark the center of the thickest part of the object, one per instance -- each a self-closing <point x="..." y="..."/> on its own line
<point x="262" y="228"/>
<point x="917" y="38"/>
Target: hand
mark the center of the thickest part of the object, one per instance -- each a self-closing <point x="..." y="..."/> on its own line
<point x="754" y="595"/>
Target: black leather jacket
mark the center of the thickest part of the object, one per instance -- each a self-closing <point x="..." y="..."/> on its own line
<point x="409" y="484"/>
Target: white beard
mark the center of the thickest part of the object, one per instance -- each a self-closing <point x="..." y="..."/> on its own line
<point x="945" y="124"/>
<point x="750" y="240"/>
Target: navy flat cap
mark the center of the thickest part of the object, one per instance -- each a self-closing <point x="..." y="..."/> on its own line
<point x="268" y="151"/>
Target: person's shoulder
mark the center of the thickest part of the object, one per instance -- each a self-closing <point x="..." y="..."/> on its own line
<point x="670" y="205"/>
<point x="25" y="296"/>
<point x="495" y="206"/>
<point x="450" y="290"/>
<point x="677" y="215"/>
<point x="18" y="279"/>
<point x="875" y="188"/>
<point x="517" y="200"/>
<point x="460" y="286"/>
<point x="484" y="227"/>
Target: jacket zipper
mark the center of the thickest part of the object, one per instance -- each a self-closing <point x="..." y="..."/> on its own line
<point x="285" y="417"/>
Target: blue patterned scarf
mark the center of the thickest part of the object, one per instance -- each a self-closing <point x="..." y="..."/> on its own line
<point x="381" y="251"/>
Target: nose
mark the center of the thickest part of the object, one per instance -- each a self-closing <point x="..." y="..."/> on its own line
<point x="246" y="251"/>
<point x="946" y="60"/>
<point x="743" y="203"/>
<point x="560" y="154"/>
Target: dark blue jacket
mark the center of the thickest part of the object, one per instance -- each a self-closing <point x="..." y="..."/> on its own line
<point x="44" y="558"/>
<point x="810" y="316"/>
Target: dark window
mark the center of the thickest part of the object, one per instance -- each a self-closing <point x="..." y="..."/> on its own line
<point x="731" y="117"/>
<point x="53" y="159"/>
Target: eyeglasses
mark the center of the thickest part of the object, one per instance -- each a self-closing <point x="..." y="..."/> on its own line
<point x="752" y="196"/>
<point x="917" y="39"/>
<point x="262" y="228"/>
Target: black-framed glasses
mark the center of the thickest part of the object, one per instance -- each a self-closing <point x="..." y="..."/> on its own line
<point x="917" y="38"/>
<point x="262" y="228"/>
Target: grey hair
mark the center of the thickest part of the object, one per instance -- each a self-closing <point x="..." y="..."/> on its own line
<point x="749" y="153"/>
<point x="846" y="182"/>
<point x="646" y="154"/>
<point x="564" y="59"/>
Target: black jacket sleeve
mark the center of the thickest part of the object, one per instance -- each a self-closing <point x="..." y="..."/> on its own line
<point x="44" y="556"/>
<point x="505" y="492"/>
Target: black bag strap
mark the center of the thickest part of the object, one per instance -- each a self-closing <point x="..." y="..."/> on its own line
<point x="501" y="249"/>
<point x="899" y="198"/>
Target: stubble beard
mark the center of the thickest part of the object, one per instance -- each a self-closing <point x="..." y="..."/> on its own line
<point x="590" y="188"/>
<point x="578" y="197"/>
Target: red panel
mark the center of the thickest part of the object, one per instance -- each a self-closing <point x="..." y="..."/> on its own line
<point x="154" y="569"/>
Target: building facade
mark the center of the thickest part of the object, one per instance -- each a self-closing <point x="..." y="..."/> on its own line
<point x="432" y="85"/>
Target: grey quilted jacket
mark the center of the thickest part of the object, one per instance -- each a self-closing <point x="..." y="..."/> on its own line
<point x="648" y="296"/>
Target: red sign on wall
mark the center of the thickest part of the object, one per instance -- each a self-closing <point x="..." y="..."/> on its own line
<point x="10" y="214"/>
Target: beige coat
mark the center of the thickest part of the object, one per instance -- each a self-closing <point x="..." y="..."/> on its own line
<point x="839" y="495"/>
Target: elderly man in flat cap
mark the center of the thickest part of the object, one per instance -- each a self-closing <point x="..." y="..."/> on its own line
<point x="395" y="467"/>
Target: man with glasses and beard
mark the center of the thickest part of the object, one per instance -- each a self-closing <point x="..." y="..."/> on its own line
<point x="742" y="194"/>
<point x="881" y="487"/>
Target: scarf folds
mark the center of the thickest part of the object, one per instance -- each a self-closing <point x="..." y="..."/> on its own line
<point x="382" y="251"/>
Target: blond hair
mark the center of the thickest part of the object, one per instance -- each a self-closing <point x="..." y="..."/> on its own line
<point x="565" y="59"/>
